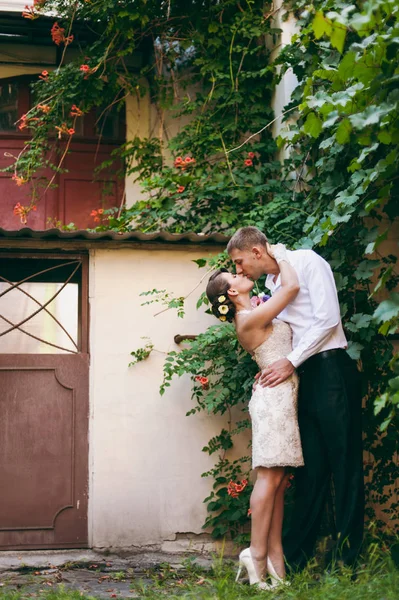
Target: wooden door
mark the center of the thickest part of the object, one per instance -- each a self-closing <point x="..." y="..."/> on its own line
<point x="43" y="402"/>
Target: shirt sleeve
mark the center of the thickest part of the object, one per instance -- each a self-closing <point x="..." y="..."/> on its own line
<point x="319" y="279"/>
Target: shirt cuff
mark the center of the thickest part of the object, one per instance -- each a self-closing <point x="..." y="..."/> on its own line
<point x="294" y="359"/>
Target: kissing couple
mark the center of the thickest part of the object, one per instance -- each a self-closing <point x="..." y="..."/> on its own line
<point x="305" y="407"/>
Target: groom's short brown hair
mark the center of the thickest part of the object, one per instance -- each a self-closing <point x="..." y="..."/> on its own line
<point x="246" y="238"/>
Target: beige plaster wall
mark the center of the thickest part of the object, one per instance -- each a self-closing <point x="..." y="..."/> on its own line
<point x="145" y="120"/>
<point x="145" y="484"/>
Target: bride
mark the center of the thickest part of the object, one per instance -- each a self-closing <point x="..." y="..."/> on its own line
<point x="275" y="435"/>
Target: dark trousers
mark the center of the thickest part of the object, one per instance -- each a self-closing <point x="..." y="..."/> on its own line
<point x="329" y="415"/>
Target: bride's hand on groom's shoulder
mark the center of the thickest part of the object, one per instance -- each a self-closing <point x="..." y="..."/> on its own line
<point x="277" y="251"/>
<point x="275" y="373"/>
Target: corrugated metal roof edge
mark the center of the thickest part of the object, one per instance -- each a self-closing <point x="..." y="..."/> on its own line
<point x="83" y="234"/>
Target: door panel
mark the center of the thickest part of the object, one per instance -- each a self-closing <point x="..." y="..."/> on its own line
<point x="44" y="405"/>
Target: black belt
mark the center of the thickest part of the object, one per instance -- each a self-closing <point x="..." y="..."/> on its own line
<point x="326" y="354"/>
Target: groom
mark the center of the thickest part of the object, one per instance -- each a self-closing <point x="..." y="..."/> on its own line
<point x="329" y="403"/>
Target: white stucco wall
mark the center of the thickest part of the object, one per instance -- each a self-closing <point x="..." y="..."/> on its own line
<point x="145" y="454"/>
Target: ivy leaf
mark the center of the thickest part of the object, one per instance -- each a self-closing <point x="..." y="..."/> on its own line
<point x="372" y="246"/>
<point x="383" y="279"/>
<point x="366" y="268"/>
<point x="345" y="69"/>
<point x="313" y="125"/>
<point x="338" y="36"/>
<point x="362" y="23"/>
<point x="327" y="143"/>
<point x="321" y="25"/>
<point x="201" y="262"/>
<point x="380" y="403"/>
<point x="371" y="116"/>
<point x="343" y="132"/>
<point x="340" y="281"/>
<point x="366" y="151"/>
<point x="354" y="349"/>
<point x="384" y="425"/>
<point x="318" y="100"/>
<point x="359" y="321"/>
<point x="332" y="119"/>
<point x="394" y="385"/>
<point x="388" y="309"/>
<point x="385" y="137"/>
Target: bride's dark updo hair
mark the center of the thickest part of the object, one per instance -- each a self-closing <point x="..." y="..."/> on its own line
<point x="216" y="290"/>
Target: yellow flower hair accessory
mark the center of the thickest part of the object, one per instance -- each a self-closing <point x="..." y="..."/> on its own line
<point x="222" y="299"/>
<point x="222" y="318"/>
<point x="223" y="309"/>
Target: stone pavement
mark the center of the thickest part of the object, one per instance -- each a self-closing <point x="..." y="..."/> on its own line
<point x="89" y="572"/>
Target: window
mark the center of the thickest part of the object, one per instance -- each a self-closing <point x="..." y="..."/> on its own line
<point x="8" y="106"/>
<point x="40" y="305"/>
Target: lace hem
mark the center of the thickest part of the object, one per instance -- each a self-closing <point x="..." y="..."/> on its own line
<point x="279" y="464"/>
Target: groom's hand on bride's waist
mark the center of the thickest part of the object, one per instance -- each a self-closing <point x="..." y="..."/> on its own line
<point x="275" y="373"/>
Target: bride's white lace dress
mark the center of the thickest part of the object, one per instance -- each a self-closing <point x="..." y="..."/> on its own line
<point x="275" y="433"/>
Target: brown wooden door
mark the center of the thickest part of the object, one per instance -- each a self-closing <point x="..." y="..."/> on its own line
<point x="43" y="403"/>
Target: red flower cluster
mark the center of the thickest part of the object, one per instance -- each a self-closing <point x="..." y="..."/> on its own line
<point x="84" y="68"/>
<point x="234" y="489"/>
<point x="23" y="211"/>
<point x="19" y="181"/>
<point x="44" y="75"/>
<point x="183" y="163"/>
<point x="248" y="162"/>
<point x="64" y="129"/>
<point x="204" y="381"/>
<point x="26" y="122"/>
<point x="94" y="213"/>
<point x="75" y="111"/>
<point x="29" y="12"/>
<point x="180" y="189"/>
<point x="44" y="107"/>
<point x="58" y="35"/>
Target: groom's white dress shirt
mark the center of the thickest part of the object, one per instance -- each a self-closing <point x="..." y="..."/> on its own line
<point x="314" y="314"/>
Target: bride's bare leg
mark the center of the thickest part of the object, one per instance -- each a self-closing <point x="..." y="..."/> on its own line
<point x="275" y="546"/>
<point x="268" y="481"/>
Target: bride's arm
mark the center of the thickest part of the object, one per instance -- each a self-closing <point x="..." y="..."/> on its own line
<point x="266" y="312"/>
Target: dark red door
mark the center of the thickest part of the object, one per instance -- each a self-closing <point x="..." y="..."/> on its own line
<point x="43" y="402"/>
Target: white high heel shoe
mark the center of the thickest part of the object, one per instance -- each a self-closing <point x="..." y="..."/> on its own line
<point x="246" y="561"/>
<point x="276" y="579"/>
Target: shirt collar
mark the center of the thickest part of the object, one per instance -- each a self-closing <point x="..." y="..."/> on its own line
<point x="270" y="283"/>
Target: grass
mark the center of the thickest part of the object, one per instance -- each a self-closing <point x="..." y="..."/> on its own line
<point x="376" y="578"/>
